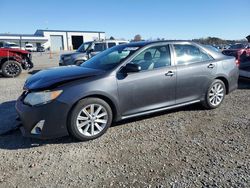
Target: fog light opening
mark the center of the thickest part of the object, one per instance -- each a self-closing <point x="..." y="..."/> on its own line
<point x="38" y="127"/>
<point x="38" y="130"/>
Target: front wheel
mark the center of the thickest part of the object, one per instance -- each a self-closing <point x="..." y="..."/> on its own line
<point x="11" y="69"/>
<point x="78" y="63"/>
<point x="90" y="119"/>
<point x="215" y="95"/>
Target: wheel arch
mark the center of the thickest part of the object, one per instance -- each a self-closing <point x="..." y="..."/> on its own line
<point x="225" y="81"/>
<point x="3" y="60"/>
<point x="100" y="96"/>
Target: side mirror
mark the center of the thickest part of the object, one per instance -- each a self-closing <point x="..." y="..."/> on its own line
<point x="132" y="68"/>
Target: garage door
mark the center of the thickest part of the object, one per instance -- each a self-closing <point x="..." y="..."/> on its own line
<point x="56" y="43"/>
<point x="76" y="41"/>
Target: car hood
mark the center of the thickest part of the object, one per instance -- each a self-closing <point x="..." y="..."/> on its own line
<point x="55" y="76"/>
<point x="15" y="50"/>
<point x="71" y="53"/>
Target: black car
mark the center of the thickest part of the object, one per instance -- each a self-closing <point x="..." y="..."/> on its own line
<point x="122" y="82"/>
<point x="40" y="49"/>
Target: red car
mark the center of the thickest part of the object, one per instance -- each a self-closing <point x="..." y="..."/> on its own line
<point x="240" y="51"/>
<point x="243" y="56"/>
<point x="13" y="61"/>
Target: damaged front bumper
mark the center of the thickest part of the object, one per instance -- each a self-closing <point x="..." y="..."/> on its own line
<point x="44" y="122"/>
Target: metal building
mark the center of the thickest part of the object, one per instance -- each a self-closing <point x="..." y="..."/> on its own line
<point x="54" y="40"/>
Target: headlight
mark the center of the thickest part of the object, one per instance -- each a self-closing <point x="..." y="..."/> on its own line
<point x="38" y="98"/>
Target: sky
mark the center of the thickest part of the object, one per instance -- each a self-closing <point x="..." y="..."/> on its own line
<point x="169" y="19"/>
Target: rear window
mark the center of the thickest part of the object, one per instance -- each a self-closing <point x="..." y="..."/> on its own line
<point x="187" y="53"/>
<point x="100" y="47"/>
<point x="111" y="44"/>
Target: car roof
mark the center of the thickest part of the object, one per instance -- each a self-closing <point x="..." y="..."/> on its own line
<point x="104" y="41"/>
<point x="144" y="43"/>
<point x="213" y="53"/>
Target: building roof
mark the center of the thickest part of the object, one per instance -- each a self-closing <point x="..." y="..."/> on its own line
<point x="18" y="35"/>
<point x="39" y="32"/>
<point x="74" y="31"/>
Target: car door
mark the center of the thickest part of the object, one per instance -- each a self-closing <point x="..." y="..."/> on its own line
<point x="151" y="88"/>
<point x="195" y="70"/>
<point x="98" y="47"/>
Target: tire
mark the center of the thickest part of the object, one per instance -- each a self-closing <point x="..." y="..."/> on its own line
<point x="215" y="95"/>
<point x="11" y="69"/>
<point x="82" y="120"/>
<point x="78" y="63"/>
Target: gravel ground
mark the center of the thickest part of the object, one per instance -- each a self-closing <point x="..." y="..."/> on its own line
<point x="187" y="147"/>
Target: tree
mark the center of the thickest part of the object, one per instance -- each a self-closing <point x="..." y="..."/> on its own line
<point x="137" y="37"/>
<point x="248" y="38"/>
<point x="112" y="38"/>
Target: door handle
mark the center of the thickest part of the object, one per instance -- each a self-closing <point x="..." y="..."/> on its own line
<point x="169" y="73"/>
<point x="211" y="66"/>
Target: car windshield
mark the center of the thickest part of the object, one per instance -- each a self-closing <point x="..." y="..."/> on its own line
<point x="111" y="58"/>
<point x="84" y="47"/>
<point x="13" y="45"/>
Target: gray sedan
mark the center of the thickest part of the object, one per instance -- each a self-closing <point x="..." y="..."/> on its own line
<point x="122" y="82"/>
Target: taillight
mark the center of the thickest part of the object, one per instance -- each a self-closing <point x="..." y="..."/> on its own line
<point x="237" y="62"/>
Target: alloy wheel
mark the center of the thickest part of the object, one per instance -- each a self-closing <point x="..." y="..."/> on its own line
<point x="216" y="94"/>
<point x="92" y="119"/>
<point x="12" y="69"/>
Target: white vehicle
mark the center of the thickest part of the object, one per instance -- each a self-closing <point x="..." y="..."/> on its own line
<point x="29" y="47"/>
<point x="11" y="45"/>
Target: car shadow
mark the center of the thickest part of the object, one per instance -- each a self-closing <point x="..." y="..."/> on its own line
<point x="13" y="139"/>
<point x="34" y="71"/>
<point x="8" y="117"/>
<point x="244" y="83"/>
<point x="193" y="107"/>
<point x="10" y="135"/>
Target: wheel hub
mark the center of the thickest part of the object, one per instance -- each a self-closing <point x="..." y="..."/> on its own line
<point x="92" y="119"/>
<point x="216" y="94"/>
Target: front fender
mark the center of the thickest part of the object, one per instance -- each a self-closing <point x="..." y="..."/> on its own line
<point x="105" y="88"/>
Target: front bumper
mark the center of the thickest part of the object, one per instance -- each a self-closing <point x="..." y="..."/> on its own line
<point x="53" y="115"/>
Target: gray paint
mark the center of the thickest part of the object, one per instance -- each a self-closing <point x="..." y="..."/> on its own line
<point x="132" y="94"/>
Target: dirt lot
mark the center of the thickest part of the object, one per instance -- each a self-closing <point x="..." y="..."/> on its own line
<point x="187" y="147"/>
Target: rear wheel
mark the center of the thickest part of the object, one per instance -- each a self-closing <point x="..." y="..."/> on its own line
<point x="215" y="95"/>
<point x="90" y="119"/>
<point x="11" y="69"/>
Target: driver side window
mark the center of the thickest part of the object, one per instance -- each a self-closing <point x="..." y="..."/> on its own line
<point x="152" y="58"/>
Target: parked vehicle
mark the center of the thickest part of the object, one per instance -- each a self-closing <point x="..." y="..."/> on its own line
<point x="12" y="61"/>
<point x="125" y="81"/>
<point x="87" y="50"/>
<point x="243" y="58"/>
<point x="233" y="49"/>
<point x="29" y="47"/>
<point x="11" y="45"/>
<point x="40" y="49"/>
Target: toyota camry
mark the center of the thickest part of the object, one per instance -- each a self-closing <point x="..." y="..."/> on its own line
<point x="122" y="82"/>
